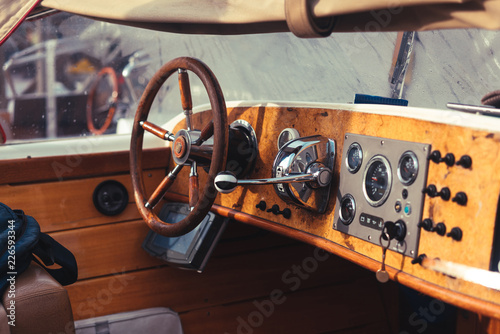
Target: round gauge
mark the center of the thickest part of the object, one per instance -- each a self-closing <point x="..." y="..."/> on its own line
<point x="354" y="158"/>
<point x="286" y="135"/>
<point x="347" y="209"/>
<point x="408" y="168"/>
<point x="377" y="180"/>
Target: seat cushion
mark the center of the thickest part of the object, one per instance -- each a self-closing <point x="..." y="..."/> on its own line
<point x="153" y="320"/>
<point x="41" y="304"/>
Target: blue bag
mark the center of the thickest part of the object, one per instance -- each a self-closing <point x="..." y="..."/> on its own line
<point x="20" y="239"/>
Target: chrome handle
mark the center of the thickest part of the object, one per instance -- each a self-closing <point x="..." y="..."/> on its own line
<point x="226" y="182"/>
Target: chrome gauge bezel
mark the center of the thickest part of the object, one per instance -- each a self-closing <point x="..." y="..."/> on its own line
<point x="354" y="146"/>
<point x="387" y="165"/>
<point x="416" y="166"/>
<point x="287" y="135"/>
<point x="347" y="197"/>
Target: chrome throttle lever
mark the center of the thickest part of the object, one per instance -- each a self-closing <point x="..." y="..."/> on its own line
<point x="226" y="182"/>
<point x="301" y="174"/>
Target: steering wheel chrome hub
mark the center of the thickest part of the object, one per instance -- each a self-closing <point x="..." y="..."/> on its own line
<point x="181" y="147"/>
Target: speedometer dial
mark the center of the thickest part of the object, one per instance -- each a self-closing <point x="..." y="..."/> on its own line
<point x="377" y="181"/>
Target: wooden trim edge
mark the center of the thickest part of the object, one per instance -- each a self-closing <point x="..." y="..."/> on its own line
<point x="68" y="167"/>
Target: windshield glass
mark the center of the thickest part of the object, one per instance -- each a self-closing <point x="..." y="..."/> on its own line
<point x="69" y="76"/>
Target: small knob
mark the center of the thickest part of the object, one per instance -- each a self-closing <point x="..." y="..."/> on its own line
<point x="275" y="209"/>
<point x="449" y="159"/>
<point x="455" y="233"/>
<point x="426" y="224"/>
<point x="445" y="193"/>
<point x="440" y="229"/>
<point x="431" y="190"/>
<point x="261" y="206"/>
<point x="460" y="198"/>
<point x="465" y="161"/>
<point x="287" y="213"/>
<point x="435" y="156"/>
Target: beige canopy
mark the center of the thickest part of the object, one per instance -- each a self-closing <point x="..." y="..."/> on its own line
<point x="305" y="18"/>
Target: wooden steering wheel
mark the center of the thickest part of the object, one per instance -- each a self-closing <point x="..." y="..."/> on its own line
<point x="186" y="143"/>
<point x="95" y="104"/>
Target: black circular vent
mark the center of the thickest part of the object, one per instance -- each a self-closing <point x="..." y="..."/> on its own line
<point x="110" y="197"/>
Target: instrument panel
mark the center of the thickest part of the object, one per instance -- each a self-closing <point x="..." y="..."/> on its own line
<point x="381" y="183"/>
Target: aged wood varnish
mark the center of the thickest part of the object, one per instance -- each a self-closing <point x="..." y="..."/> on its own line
<point x="481" y="183"/>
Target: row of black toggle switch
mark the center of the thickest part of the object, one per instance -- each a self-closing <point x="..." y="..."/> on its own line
<point x="449" y="159"/>
<point x="275" y="209"/>
<point x="445" y="193"/>
<point x="460" y="198"/>
<point x="440" y="228"/>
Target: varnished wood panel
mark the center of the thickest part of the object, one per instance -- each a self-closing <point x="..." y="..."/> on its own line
<point x="324" y="309"/>
<point x="108" y="249"/>
<point x="226" y="280"/>
<point x="68" y="204"/>
<point x="481" y="183"/>
<point x="115" y="248"/>
<point x="67" y="167"/>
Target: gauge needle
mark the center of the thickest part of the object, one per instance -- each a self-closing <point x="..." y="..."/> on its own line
<point x="374" y="179"/>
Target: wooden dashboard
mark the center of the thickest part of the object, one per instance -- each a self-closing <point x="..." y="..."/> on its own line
<point x="477" y="219"/>
<point x="108" y="247"/>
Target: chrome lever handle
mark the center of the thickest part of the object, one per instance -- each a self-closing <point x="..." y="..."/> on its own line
<point x="226" y="182"/>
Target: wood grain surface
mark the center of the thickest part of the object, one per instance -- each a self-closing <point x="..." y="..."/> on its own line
<point x="67" y="205"/>
<point x="481" y="183"/>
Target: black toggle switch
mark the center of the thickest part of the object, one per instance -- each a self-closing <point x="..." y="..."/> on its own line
<point x="435" y="156"/>
<point x="275" y="209"/>
<point x="449" y="159"/>
<point x="465" y="161"/>
<point x="445" y="194"/>
<point x="431" y="190"/>
<point x="261" y="206"/>
<point x="287" y="213"/>
<point x="426" y="224"/>
<point x="418" y="259"/>
<point x="440" y="229"/>
<point x="455" y="233"/>
<point x="460" y="198"/>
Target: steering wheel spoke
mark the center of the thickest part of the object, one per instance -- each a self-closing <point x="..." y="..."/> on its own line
<point x="158" y="131"/>
<point x="163" y="187"/>
<point x="206" y="133"/>
<point x="186" y="100"/>
<point x="193" y="186"/>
